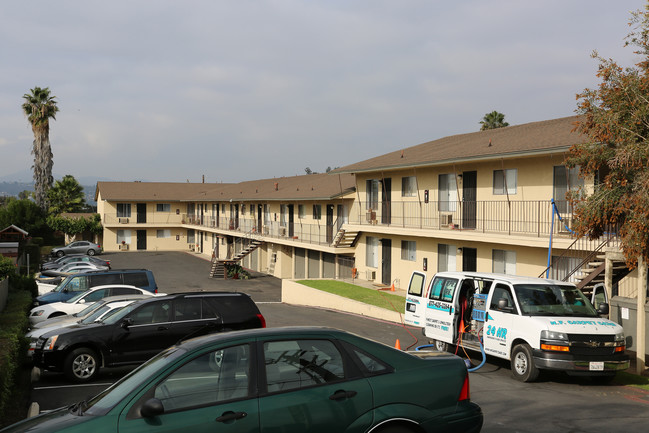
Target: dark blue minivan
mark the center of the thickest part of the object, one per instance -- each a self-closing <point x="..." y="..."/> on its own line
<point x="74" y="284"/>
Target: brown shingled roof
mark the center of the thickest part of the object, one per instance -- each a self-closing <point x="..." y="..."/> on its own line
<point x="519" y="140"/>
<point x="306" y="187"/>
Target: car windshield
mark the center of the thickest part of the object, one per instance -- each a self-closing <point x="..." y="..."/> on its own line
<point x="553" y="300"/>
<point x="62" y="284"/>
<point x="105" y="309"/>
<point x="89" y="309"/>
<point x="103" y="402"/>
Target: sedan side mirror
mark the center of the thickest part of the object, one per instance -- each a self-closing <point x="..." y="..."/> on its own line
<point x="152" y="407"/>
<point x="127" y="322"/>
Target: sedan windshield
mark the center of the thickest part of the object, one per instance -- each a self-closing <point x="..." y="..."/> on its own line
<point x="553" y="300"/>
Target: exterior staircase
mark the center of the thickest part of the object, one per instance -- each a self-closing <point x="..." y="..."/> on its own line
<point x="345" y="238"/>
<point x="594" y="271"/>
<point x="218" y="269"/>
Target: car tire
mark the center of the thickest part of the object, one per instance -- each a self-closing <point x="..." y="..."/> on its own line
<point x="81" y="365"/>
<point x="91" y="252"/>
<point x="60" y="254"/>
<point x="523" y="367"/>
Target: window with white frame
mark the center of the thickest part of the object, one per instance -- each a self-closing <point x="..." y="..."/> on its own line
<point x="267" y="214"/>
<point x="191" y="236"/>
<point x="317" y="211"/>
<point x="447" y="193"/>
<point x="372" y="252"/>
<point x="446" y="257"/>
<point x="372" y="194"/>
<point x="123" y="236"/>
<point x="408" y="186"/>
<point x="283" y="215"/>
<point x="162" y="234"/>
<point x="505" y="181"/>
<point x="123" y="210"/>
<point x="565" y="179"/>
<point x="409" y="251"/>
<point x="163" y="207"/>
<point x="504" y="262"/>
<point x="301" y="211"/>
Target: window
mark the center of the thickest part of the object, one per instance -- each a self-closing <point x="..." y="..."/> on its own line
<point x="502" y="292"/>
<point x="211" y="378"/>
<point x="409" y="251"/>
<point x="123" y="210"/>
<point x="137" y="279"/>
<point x="243" y="209"/>
<point x="372" y="252"/>
<point x="565" y="179"/>
<point x="123" y="236"/>
<point x="416" y="286"/>
<point x="296" y="364"/>
<point x="317" y="211"/>
<point x="446" y="255"/>
<point x="447" y="193"/>
<point x="166" y="233"/>
<point x="187" y="309"/>
<point x="504" y="262"/>
<point x="223" y="208"/>
<point x="163" y="207"/>
<point x="191" y="237"/>
<point x="408" y="186"/>
<point x="252" y="210"/>
<point x="267" y="214"/>
<point x="154" y="312"/>
<point x="283" y="215"/>
<point x="562" y="266"/>
<point x="301" y="211"/>
<point x="443" y="289"/>
<point x="505" y="181"/>
<point x="372" y="194"/>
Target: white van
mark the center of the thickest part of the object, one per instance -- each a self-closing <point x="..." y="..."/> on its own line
<point x="535" y="323"/>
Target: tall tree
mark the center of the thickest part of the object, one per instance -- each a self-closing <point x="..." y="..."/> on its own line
<point x="66" y="196"/>
<point x="493" y="120"/>
<point x="615" y="120"/>
<point x="39" y="107"/>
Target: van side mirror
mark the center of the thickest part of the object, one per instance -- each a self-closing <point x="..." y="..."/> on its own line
<point x="603" y="309"/>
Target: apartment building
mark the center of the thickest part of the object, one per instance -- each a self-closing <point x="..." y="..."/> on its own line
<point x="293" y="222"/>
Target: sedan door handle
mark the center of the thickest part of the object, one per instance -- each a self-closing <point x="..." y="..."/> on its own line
<point x="163" y="328"/>
<point x="231" y="416"/>
<point x="341" y="394"/>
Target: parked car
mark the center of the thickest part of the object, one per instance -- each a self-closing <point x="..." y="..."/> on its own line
<point x="81" y="301"/>
<point x="72" y="285"/>
<point x="143" y="329"/>
<point x="280" y="379"/>
<point x="71" y="268"/>
<point x="96" y="312"/>
<point x="60" y="261"/>
<point x="78" y="247"/>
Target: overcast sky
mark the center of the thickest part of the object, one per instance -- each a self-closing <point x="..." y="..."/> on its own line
<point x="238" y="90"/>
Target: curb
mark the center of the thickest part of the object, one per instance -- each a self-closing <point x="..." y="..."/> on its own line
<point x="34" y="409"/>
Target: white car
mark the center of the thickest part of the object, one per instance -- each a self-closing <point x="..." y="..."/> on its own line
<point x="81" y="301"/>
<point x="102" y="310"/>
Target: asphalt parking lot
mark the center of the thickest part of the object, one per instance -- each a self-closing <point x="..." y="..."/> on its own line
<point x="556" y="403"/>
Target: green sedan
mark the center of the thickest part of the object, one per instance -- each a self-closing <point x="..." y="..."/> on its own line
<point x="279" y="380"/>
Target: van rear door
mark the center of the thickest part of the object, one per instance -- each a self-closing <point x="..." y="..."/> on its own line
<point x="415" y="300"/>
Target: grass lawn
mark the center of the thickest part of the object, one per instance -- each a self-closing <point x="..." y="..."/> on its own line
<point x="624" y="378"/>
<point x="378" y="298"/>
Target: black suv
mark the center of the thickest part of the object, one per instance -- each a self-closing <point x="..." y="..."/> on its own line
<point x="142" y="329"/>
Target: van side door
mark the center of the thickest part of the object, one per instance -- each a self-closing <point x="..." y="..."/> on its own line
<point x="441" y="309"/>
<point x="501" y="313"/>
<point x="415" y="300"/>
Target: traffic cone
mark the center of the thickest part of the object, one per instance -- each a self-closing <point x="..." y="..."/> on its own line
<point x="392" y="288"/>
<point x="397" y="345"/>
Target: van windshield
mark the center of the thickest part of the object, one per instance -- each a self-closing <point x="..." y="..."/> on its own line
<point x="553" y="300"/>
<point x="61" y="285"/>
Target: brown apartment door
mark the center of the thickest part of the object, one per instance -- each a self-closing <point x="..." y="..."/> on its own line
<point x="469" y="203"/>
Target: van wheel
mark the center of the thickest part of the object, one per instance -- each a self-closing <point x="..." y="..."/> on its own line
<point x="81" y="365"/>
<point x="523" y="367"/>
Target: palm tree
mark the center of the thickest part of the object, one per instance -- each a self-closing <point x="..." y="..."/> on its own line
<point x="493" y="120"/>
<point x="39" y="107"/>
<point x="66" y="196"/>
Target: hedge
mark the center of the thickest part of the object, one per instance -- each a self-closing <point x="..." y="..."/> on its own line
<point x="13" y="344"/>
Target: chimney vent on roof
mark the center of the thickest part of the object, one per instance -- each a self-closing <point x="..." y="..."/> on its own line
<point x="276" y="186"/>
<point x="402" y="153"/>
<point x="490" y="142"/>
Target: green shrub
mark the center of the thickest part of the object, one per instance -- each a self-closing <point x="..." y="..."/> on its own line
<point x="7" y="267"/>
<point x="23" y="282"/>
<point x="38" y="241"/>
<point x="13" y="344"/>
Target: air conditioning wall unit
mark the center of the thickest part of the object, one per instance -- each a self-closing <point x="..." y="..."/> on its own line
<point x="123" y="247"/>
<point x="370" y="216"/>
<point x="122" y="220"/>
<point x="446" y="219"/>
<point x="370" y="275"/>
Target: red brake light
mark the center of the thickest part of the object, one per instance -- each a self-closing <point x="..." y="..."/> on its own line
<point x="465" y="394"/>
<point x="262" y="320"/>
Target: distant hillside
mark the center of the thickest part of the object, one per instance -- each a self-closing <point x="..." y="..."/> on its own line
<point x="12" y="189"/>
